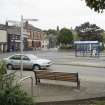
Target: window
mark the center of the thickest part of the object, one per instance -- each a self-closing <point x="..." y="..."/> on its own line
<point x="17" y="37"/>
<point x="25" y="58"/>
<point x="16" y="57"/>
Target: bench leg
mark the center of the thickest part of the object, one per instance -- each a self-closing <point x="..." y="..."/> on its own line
<point x="37" y="80"/>
<point x="78" y="84"/>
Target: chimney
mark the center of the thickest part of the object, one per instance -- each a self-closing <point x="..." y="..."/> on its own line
<point x="6" y="25"/>
<point x="26" y="24"/>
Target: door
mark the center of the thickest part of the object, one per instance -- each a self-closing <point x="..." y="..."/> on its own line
<point x="27" y="62"/>
<point x="15" y="61"/>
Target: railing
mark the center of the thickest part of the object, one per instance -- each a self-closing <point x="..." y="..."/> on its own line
<point x="7" y="79"/>
<point x="28" y="77"/>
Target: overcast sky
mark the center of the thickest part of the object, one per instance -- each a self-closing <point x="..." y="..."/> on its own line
<point x="64" y="13"/>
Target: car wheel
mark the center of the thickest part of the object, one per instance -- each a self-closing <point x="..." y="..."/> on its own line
<point x="36" y="67"/>
<point x="9" y="67"/>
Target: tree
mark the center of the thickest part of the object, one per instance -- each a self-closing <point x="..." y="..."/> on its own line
<point x="51" y="36"/>
<point x="97" y="5"/>
<point x="75" y="36"/>
<point x="103" y="34"/>
<point x="51" y="32"/>
<point x="65" y="36"/>
<point x="90" y="32"/>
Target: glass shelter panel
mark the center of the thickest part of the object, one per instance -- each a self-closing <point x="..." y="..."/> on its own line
<point x="87" y="48"/>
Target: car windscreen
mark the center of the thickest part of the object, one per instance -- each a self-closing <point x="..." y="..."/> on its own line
<point x="15" y="57"/>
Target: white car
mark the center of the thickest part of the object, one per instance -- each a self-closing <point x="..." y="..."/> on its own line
<point x="29" y="62"/>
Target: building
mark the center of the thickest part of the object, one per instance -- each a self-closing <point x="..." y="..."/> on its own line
<point x="32" y="37"/>
<point x="14" y="38"/>
<point x="45" y="42"/>
<point x="35" y="37"/>
<point x="3" y="38"/>
<point x="52" y="41"/>
<point x="3" y="41"/>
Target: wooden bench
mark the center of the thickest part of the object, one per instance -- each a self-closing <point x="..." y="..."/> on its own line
<point x="61" y="76"/>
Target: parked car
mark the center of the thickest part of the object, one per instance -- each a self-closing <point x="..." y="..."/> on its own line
<point x="29" y="61"/>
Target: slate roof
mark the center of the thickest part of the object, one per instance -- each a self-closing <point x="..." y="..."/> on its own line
<point x="2" y="27"/>
<point x="17" y="30"/>
<point x="31" y="27"/>
<point x="14" y="30"/>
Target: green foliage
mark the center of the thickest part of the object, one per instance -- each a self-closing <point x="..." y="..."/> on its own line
<point x="102" y="47"/>
<point x="90" y="32"/>
<point x="10" y="92"/>
<point x="66" y="47"/>
<point x="65" y="36"/>
<point x="2" y="68"/>
<point x="76" y="37"/>
<point x="14" y="96"/>
<point x="97" y="5"/>
<point x="100" y="103"/>
<point x="103" y="34"/>
<point x="3" y="71"/>
<point x="51" y="32"/>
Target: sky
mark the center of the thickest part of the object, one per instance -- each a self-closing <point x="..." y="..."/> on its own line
<point x="50" y="13"/>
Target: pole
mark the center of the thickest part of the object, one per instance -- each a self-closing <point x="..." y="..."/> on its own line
<point x="21" y="45"/>
<point x="21" y="48"/>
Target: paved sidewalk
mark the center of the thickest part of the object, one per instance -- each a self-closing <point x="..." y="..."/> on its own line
<point x="62" y="91"/>
<point x="69" y="59"/>
<point x="100" y="64"/>
<point x="49" y="90"/>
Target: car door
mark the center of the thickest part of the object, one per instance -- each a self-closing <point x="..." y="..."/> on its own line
<point x="15" y="61"/>
<point x="27" y="62"/>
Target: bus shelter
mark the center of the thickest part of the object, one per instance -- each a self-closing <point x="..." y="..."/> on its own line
<point x="87" y="48"/>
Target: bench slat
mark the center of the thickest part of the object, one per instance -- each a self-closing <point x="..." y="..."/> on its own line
<point x="61" y="76"/>
<point x="66" y="79"/>
<point x="69" y="76"/>
<point x="46" y="77"/>
<point x="63" y="73"/>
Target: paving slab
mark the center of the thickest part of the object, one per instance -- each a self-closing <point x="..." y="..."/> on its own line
<point x="49" y="90"/>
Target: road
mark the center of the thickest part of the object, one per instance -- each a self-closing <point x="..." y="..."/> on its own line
<point x="56" y="55"/>
<point x="85" y="73"/>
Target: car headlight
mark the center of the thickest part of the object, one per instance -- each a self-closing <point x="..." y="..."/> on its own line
<point x="47" y="63"/>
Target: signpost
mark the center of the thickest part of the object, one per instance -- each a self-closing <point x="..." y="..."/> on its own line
<point x="22" y="38"/>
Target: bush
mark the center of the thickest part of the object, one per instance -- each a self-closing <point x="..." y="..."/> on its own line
<point x="14" y="96"/>
<point x="66" y="47"/>
<point x="100" y="103"/>
<point x="2" y="68"/>
<point x="10" y="92"/>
